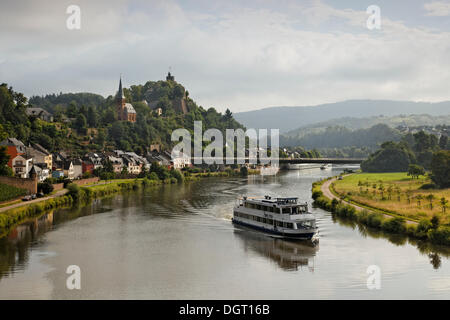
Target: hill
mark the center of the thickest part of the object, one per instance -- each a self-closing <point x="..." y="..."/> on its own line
<point x="290" y="118"/>
<point x="339" y="137"/>
<point x="88" y="122"/>
<point x="352" y="123"/>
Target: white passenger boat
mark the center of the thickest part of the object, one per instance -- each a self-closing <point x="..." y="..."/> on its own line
<point x="282" y="217"/>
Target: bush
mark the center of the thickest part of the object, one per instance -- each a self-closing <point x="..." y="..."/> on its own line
<point x="428" y="186"/>
<point x="394" y="225"/>
<point x="440" y="235"/>
<point x="316" y="194"/>
<point x="374" y="220"/>
<point x="177" y="175"/>
<point x="422" y="228"/>
<point x="45" y="187"/>
<point x="74" y="191"/>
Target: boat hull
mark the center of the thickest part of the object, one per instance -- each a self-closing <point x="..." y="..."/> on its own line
<point x="303" y="235"/>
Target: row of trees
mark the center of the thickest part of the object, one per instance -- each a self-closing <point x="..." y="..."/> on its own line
<point x="414" y="153"/>
<point x="391" y="190"/>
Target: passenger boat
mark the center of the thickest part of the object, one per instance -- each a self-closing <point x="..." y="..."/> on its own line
<point x="281" y="217"/>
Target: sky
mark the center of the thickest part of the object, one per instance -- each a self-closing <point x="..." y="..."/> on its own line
<point x="241" y="55"/>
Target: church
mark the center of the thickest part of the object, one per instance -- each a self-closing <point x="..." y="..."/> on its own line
<point x="125" y="111"/>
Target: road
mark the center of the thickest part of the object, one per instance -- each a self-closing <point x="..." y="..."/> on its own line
<point x="24" y="203"/>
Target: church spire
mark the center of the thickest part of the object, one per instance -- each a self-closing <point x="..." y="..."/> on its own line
<point x="120" y="95"/>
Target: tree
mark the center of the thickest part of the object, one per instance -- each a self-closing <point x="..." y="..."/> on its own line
<point x="381" y="188"/>
<point x="434" y="222"/>
<point x="392" y="157"/>
<point x="430" y="198"/>
<point x="419" y="198"/>
<point x="389" y="191"/>
<point x="81" y="123"/>
<point x="408" y="195"/>
<point x="440" y="168"/>
<point x="444" y="203"/>
<point x="443" y="142"/>
<point x="414" y="170"/>
<point x="45" y="187"/>
<point x="92" y="117"/>
<point x="4" y="158"/>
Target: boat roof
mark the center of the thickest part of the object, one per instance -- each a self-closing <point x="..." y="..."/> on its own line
<point x="276" y="200"/>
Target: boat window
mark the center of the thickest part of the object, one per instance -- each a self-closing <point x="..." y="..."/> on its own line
<point x="286" y="210"/>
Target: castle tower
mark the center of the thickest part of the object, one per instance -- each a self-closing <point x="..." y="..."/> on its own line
<point x="170" y="77"/>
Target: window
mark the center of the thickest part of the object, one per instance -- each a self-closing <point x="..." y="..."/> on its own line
<point x="286" y="210"/>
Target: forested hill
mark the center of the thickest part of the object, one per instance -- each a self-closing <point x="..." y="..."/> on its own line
<point x="339" y="137"/>
<point x="88" y="122"/>
<point x="50" y="102"/>
<point x="410" y="120"/>
<point x="290" y="118"/>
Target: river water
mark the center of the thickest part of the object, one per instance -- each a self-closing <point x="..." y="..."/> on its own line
<point x="177" y="242"/>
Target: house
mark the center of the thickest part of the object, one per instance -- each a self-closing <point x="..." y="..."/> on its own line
<point x="180" y="160"/>
<point x="160" y="158"/>
<point x="117" y="163"/>
<point x="14" y="147"/>
<point x="21" y="165"/>
<point x="87" y="166"/>
<point x="58" y="173"/>
<point x="40" y="155"/>
<point x="68" y="170"/>
<point x="58" y="160"/>
<point x="133" y="166"/>
<point x="39" y="113"/>
<point x="96" y="159"/>
<point x="77" y="168"/>
<point x="42" y="173"/>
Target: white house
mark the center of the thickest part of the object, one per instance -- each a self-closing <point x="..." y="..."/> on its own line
<point x="42" y="173"/>
<point x="21" y="165"/>
<point x="180" y="160"/>
<point x="77" y="168"/>
<point x="68" y="170"/>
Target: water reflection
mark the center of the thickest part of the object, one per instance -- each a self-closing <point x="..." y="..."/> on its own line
<point x="15" y="247"/>
<point x="434" y="252"/>
<point x="289" y="255"/>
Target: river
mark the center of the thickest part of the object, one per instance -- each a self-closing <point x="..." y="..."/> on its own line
<point x="177" y="242"/>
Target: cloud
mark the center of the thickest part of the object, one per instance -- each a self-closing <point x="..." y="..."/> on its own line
<point x="437" y="9"/>
<point x="227" y="54"/>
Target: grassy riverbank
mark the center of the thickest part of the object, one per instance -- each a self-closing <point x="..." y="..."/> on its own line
<point x="395" y="193"/>
<point x="427" y="228"/>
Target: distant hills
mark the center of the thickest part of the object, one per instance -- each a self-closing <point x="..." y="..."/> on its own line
<point x="289" y="118"/>
<point x="412" y="120"/>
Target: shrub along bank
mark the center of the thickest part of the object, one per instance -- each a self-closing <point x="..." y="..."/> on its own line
<point x="426" y="229"/>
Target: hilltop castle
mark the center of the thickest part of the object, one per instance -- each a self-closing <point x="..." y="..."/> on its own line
<point x="125" y="111"/>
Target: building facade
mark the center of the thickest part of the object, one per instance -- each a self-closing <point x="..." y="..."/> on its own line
<point x="125" y="111"/>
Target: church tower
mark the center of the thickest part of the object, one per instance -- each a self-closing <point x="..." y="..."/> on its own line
<point x="125" y="111"/>
<point x="120" y="100"/>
